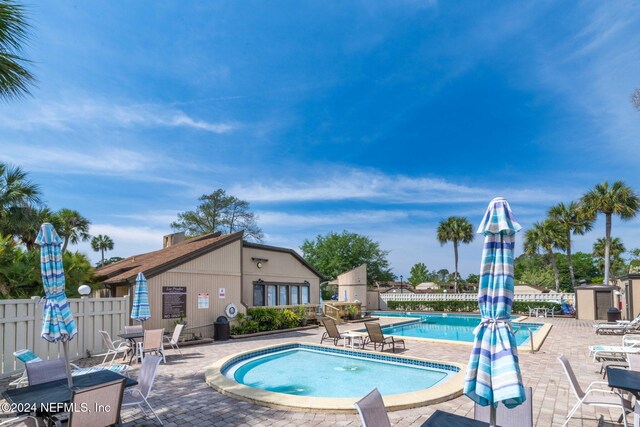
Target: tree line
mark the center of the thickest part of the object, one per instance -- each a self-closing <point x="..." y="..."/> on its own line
<point x="22" y="211"/>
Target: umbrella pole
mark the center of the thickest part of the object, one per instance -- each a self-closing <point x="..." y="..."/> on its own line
<point x="492" y="416"/>
<point x="65" y="349"/>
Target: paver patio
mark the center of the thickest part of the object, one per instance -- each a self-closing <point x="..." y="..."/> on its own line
<point x="182" y="398"/>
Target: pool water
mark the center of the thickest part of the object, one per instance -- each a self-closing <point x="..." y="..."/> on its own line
<point x="306" y="372"/>
<point x="453" y="327"/>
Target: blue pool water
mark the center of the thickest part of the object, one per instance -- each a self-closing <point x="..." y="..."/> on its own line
<point x="454" y="327"/>
<point x="314" y="372"/>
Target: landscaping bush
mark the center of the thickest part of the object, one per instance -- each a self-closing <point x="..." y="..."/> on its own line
<point x="260" y="319"/>
<point x="519" y="307"/>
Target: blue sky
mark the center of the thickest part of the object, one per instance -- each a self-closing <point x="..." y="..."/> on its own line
<point x="380" y="118"/>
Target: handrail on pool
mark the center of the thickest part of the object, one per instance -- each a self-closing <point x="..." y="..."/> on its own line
<point x="516" y="330"/>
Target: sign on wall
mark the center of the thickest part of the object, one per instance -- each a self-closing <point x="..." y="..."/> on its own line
<point x="203" y="300"/>
<point x="174" y="302"/>
<point x="222" y="293"/>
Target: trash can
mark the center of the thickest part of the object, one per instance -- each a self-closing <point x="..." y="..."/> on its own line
<point x="613" y="314"/>
<point x="221" y="329"/>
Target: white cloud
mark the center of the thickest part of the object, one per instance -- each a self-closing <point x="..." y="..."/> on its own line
<point x="274" y="218"/>
<point x="65" y="115"/>
<point x="357" y="184"/>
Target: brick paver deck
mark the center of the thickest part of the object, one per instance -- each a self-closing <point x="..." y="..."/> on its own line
<point x="182" y="398"/>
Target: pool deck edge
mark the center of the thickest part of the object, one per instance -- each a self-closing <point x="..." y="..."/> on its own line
<point x="450" y="389"/>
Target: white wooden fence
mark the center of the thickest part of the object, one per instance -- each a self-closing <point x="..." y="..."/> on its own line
<point x="21" y="325"/>
<point x="410" y="296"/>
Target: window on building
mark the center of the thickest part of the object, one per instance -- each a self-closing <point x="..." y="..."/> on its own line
<point x="258" y="295"/>
<point x="283" y="297"/>
<point x="304" y="299"/>
<point x="279" y="294"/>
<point x="272" y="295"/>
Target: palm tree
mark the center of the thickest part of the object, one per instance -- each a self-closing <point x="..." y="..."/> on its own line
<point x="546" y="235"/>
<point x="16" y="191"/>
<point x="455" y="229"/>
<point x="616" y="249"/>
<point x="72" y="227"/>
<point x="102" y="243"/>
<point x="573" y="219"/>
<point x="14" y="77"/>
<point x="25" y="223"/>
<point x="618" y="199"/>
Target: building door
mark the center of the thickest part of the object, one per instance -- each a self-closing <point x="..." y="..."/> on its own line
<point x="603" y="302"/>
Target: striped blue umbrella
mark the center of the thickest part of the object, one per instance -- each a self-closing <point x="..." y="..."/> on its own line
<point x="140" y="310"/>
<point x="58" y="324"/>
<point x="493" y="373"/>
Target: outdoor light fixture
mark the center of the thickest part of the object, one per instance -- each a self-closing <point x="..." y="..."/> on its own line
<point x="84" y="290"/>
<point x="259" y="261"/>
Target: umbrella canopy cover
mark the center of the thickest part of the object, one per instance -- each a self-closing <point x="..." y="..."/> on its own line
<point x="140" y="310"/>
<point x="493" y="373"/>
<point x="58" y="324"/>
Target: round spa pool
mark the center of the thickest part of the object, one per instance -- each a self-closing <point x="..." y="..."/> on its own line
<point x="313" y="377"/>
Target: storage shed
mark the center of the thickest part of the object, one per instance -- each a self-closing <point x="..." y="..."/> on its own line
<point x="593" y="301"/>
<point x="630" y="286"/>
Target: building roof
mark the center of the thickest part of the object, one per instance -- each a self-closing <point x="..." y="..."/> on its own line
<point x="287" y="251"/>
<point x="156" y="262"/>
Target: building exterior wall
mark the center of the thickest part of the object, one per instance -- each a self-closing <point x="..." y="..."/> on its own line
<point x="205" y="274"/>
<point x="281" y="267"/>
<point x="635" y="291"/>
<point x="374" y="302"/>
<point x="526" y="289"/>
<point x="353" y="283"/>
<point x="586" y="304"/>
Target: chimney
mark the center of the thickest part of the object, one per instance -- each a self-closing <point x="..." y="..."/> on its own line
<point x="172" y="239"/>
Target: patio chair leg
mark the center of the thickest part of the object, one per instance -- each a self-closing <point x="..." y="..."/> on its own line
<point x="154" y="412"/>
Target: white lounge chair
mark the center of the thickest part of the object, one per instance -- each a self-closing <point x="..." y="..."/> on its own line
<point x="138" y="395"/>
<point x="520" y="416"/>
<point x="607" y="398"/>
<point x="173" y="341"/>
<point x="152" y="343"/>
<point x="92" y="402"/>
<point x="619" y="327"/>
<point x="630" y="345"/>
<point x="113" y="347"/>
<point x="372" y="411"/>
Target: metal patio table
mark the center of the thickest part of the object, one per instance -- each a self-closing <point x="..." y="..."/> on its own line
<point x="626" y="380"/>
<point x="132" y="337"/>
<point x="445" y="419"/>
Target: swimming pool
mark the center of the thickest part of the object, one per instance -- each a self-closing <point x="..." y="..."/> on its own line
<point x="451" y="327"/>
<point x="312" y="377"/>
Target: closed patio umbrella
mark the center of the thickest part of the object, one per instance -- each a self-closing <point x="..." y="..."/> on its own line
<point x="493" y="373"/>
<point x="58" y="324"/>
<point x="140" y="310"/>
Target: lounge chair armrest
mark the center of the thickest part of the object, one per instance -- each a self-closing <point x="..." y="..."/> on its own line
<point x="74" y="366"/>
<point x="122" y="345"/>
<point x="604" y="383"/>
<point x="599" y="390"/>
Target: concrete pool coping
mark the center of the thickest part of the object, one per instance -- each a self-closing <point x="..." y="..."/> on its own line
<point x="538" y="336"/>
<point x="450" y="389"/>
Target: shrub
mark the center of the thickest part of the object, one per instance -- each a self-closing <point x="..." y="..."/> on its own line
<point x="259" y="319"/>
<point x="289" y="319"/>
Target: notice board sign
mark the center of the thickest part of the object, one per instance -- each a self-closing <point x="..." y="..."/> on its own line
<point x="203" y="300"/>
<point x="174" y="302"/>
<point x="222" y="293"/>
